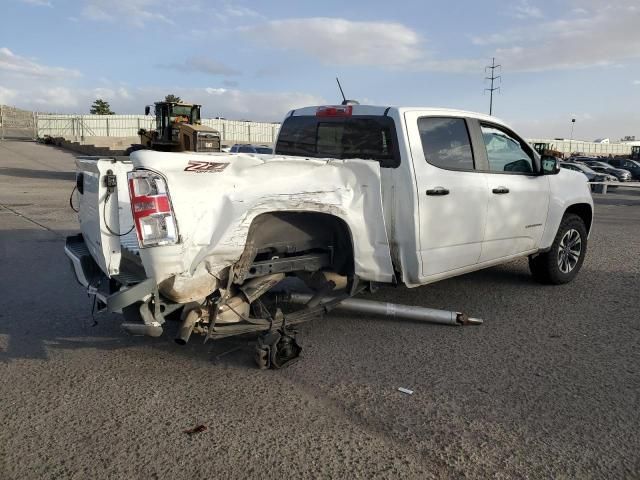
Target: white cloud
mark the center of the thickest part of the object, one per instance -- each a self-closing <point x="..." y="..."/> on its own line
<point x="124" y="93"/>
<point x="38" y="3"/>
<point x="248" y="104"/>
<point x="636" y="82"/>
<point x="216" y="101"/>
<point x="607" y="34"/>
<point x="336" y="41"/>
<point x="523" y="10"/>
<point x="54" y="97"/>
<point x="7" y="95"/>
<point x="235" y="12"/>
<point x="215" y="91"/>
<point x="12" y="64"/>
<point x="202" y="65"/>
<point x="133" y="12"/>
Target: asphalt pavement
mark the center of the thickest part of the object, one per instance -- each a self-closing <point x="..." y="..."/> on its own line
<point x="548" y="387"/>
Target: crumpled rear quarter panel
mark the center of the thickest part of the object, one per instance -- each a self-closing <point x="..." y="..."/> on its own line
<point x="214" y="207"/>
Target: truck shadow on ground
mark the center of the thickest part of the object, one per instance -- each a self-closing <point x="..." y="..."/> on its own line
<point x="34" y="334"/>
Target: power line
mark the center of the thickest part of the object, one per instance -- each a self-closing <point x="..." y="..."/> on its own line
<point x="492" y="78"/>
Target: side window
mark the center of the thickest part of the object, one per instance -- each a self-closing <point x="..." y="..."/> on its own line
<point x="234" y="149"/>
<point x="245" y="150"/>
<point x="505" y="152"/>
<point x="446" y="143"/>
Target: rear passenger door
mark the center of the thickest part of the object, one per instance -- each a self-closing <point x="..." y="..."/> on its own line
<point x="452" y="196"/>
<point x="518" y="194"/>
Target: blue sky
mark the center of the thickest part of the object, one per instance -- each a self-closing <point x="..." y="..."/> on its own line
<point x="255" y="60"/>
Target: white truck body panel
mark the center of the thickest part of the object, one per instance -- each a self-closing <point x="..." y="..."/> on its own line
<point x="514" y="222"/>
<point x="565" y="189"/>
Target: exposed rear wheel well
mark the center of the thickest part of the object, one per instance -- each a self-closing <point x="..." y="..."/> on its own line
<point x="584" y="211"/>
<point x="291" y="234"/>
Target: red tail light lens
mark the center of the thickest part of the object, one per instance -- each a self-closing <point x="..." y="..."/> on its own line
<point x="151" y="209"/>
<point x="335" y="111"/>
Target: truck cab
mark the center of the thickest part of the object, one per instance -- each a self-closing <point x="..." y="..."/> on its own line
<point x="460" y="190"/>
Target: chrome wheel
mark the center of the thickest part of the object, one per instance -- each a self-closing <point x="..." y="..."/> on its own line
<point x="569" y="250"/>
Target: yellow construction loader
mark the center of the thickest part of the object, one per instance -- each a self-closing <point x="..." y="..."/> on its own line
<point x="178" y="129"/>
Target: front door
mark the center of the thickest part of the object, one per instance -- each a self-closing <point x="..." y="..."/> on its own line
<point x="452" y="196"/>
<point x="518" y="195"/>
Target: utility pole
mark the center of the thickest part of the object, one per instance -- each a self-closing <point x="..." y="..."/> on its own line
<point x="573" y="122"/>
<point x="493" y="77"/>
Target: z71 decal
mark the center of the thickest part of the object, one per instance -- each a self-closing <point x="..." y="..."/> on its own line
<point x="205" y="167"/>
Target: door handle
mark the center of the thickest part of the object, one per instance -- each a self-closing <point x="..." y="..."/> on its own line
<point x="438" y="191"/>
<point x="500" y="190"/>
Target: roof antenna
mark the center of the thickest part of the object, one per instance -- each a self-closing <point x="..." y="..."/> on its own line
<point x="344" y="99"/>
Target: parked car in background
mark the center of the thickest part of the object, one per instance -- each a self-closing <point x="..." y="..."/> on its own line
<point x="248" y="148"/>
<point x="592" y="176"/>
<point x="605" y="168"/>
<point x="632" y="166"/>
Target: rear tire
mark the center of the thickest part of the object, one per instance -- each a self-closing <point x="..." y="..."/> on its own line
<point x="563" y="261"/>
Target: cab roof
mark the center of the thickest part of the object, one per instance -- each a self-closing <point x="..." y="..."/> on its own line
<point x="397" y="111"/>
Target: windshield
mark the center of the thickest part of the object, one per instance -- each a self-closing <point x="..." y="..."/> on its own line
<point x="366" y="137"/>
<point x="181" y="110"/>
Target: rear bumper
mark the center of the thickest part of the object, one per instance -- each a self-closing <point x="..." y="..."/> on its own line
<point x="86" y="270"/>
<point x="115" y="293"/>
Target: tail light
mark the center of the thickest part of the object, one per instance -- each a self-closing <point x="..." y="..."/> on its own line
<point x="151" y="209"/>
<point x="335" y="111"/>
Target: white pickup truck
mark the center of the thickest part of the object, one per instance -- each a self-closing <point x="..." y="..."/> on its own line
<point x="353" y="194"/>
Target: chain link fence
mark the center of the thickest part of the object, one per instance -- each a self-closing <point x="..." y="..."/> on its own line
<point x="79" y="127"/>
<point x="586" y="148"/>
<point x="16" y="124"/>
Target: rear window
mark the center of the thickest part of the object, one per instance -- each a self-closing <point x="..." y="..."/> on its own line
<point x="366" y="137"/>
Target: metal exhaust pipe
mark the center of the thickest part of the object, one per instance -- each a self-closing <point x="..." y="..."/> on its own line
<point x="186" y="327"/>
<point x="393" y="310"/>
<point x="150" y="330"/>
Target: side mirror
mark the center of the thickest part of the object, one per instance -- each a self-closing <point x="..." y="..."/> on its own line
<point x="147" y="110"/>
<point x="550" y="165"/>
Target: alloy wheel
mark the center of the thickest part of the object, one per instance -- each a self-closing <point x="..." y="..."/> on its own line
<point x="569" y="250"/>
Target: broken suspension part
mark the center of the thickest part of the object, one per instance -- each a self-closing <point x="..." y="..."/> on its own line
<point x="394" y="310"/>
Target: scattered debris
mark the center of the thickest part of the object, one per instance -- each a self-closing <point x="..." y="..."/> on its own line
<point x="198" y="429"/>
<point x="405" y="390"/>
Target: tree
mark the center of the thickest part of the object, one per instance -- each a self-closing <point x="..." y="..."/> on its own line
<point x="100" y="107"/>
<point x="172" y="98"/>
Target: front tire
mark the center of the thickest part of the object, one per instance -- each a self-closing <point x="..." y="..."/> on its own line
<point x="563" y="261"/>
